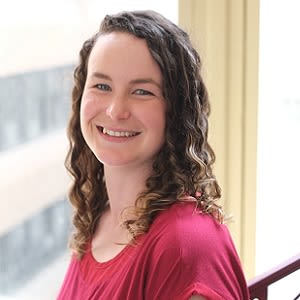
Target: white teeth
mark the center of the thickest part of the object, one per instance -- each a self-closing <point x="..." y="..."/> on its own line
<point x="118" y="133"/>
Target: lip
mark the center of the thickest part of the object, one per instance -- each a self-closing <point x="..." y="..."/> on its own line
<point x="116" y="138"/>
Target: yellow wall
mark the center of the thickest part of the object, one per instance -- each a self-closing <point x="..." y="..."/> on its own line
<point x="226" y="34"/>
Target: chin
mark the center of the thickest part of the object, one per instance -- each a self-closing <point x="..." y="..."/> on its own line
<point x="114" y="161"/>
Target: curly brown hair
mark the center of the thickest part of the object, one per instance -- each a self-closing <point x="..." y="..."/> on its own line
<point x="183" y="167"/>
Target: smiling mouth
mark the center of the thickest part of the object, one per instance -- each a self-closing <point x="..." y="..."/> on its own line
<point x="117" y="133"/>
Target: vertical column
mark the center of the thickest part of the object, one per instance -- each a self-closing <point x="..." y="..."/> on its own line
<point x="226" y="35"/>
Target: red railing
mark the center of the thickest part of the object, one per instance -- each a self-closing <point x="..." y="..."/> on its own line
<point x="258" y="286"/>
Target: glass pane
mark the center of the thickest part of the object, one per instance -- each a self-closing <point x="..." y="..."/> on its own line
<point x="278" y="200"/>
<point x="40" y="42"/>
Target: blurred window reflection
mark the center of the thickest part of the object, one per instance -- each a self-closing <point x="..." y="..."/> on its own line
<point x="33" y="104"/>
<point x="40" y="42"/>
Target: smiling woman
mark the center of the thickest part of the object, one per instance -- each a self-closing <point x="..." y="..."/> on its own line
<point x="122" y="96"/>
<point x="147" y="225"/>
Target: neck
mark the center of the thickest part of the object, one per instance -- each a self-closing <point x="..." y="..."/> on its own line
<point x="123" y="187"/>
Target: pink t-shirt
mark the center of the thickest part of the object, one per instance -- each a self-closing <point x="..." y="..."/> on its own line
<point x="184" y="252"/>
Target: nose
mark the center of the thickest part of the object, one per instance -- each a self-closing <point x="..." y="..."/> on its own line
<point x="118" y="108"/>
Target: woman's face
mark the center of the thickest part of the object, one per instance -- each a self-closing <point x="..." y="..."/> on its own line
<point x="123" y="110"/>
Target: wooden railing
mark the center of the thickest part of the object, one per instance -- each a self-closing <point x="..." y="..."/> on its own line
<point x="258" y="286"/>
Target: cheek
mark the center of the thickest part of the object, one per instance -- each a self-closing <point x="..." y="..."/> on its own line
<point x="157" y="120"/>
<point x="88" y="108"/>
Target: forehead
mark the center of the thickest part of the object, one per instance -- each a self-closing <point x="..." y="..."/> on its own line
<point x="119" y="52"/>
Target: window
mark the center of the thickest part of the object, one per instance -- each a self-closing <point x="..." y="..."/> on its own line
<point x="278" y="200"/>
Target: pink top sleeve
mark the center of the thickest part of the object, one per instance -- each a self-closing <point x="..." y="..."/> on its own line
<point x="195" y="256"/>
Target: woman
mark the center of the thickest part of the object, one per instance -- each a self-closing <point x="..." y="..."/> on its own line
<point x="146" y="221"/>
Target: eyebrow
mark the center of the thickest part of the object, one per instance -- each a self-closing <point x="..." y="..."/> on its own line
<point x="101" y="75"/>
<point x="134" y="81"/>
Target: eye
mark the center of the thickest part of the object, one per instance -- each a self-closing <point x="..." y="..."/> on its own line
<point x="103" y="87"/>
<point x="143" y="92"/>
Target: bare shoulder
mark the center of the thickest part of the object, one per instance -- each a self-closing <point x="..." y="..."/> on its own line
<point x="197" y="297"/>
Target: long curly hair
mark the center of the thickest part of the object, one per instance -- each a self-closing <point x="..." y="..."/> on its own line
<point x="183" y="167"/>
